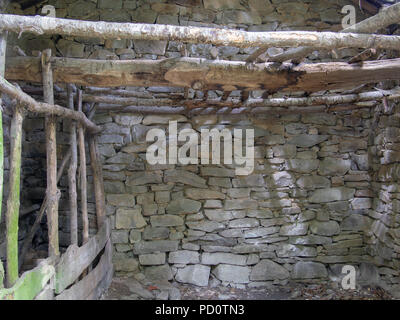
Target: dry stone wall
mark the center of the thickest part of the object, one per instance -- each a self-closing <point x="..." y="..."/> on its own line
<point x="323" y="193"/>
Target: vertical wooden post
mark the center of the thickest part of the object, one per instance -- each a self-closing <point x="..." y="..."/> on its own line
<point x="73" y="202"/>
<point x="52" y="191"/>
<point x="13" y="201"/>
<point x="3" y="45"/>
<point x="82" y="173"/>
<point x="97" y="181"/>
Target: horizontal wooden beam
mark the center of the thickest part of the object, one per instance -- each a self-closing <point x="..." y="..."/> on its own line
<point x="221" y="37"/>
<point x="45" y="108"/>
<point x="206" y="74"/>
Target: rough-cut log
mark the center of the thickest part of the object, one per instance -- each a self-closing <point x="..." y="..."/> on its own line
<point x="82" y="173"/>
<point x="52" y="192"/>
<point x="73" y="199"/>
<point x="13" y="200"/>
<point x="211" y="74"/>
<point x="45" y="108"/>
<point x="97" y="181"/>
<point x="3" y="45"/>
<point x="32" y="232"/>
<point x="386" y="17"/>
<point x="221" y="37"/>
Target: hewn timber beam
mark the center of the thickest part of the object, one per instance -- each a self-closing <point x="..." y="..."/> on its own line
<point x="384" y="18"/>
<point x="45" y="108"/>
<point x="209" y="74"/>
<point x="221" y="37"/>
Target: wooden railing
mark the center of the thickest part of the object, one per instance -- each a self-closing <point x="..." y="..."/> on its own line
<point x="68" y="279"/>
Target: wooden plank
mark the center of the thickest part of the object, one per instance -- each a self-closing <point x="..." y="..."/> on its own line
<point x="76" y="259"/>
<point x="31" y="283"/>
<point x="87" y="286"/>
<point x="47" y="293"/>
<point x="102" y="286"/>
<point x="211" y="74"/>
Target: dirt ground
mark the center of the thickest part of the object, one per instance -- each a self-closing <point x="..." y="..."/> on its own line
<point x="133" y="289"/>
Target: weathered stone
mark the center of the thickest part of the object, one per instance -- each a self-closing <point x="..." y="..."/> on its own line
<point x="310" y="239"/>
<point x="244" y="223"/>
<point x="297" y="229"/>
<point x="260" y="232"/>
<point x="268" y="270"/>
<point x="125" y="264"/>
<point x="141" y="178"/>
<point x="254" y="180"/>
<point x="159" y="273"/>
<point x="151" y="47"/>
<point x="231" y="273"/>
<point x="281" y="179"/>
<point x="313" y="182"/>
<point x="307" y="140"/>
<point x="238" y="204"/>
<point x="184" y="257"/>
<point x="201" y="194"/>
<point x="163" y="119"/>
<point x="194" y="274"/>
<point x="123" y="200"/>
<point x="223" y="4"/>
<point x="302" y="166"/>
<point x="144" y="247"/>
<point x="361" y="203"/>
<point x="151" y="233"/>
<point x="334" y="167"/>
<point x="220" y="182"/>
<point x="284" y="151"/>
<point x="128" y="119"/>
<point x="352" y="145"/>
<point x="152" y="259"/>
<point x="289" y="250"/>
<point x="183" y="206"/>
<point x="356" y="222"/>
<point x="260" y="213"/>
<point x="274" y="203"/>
<point x="129" y="218"/>
<point x="222" y="215"/>
<point x="238" y="193"/>
<point x="119" y="236"/>
<point x="185" y="177"/>
<point x="223" y="257"/>
<point x="329" y="228"/>
<point x="332" y="194"/>
<point x="309" y="270"/>
<point x="71" y="49"/>
<point x="207" y="226"/>
<point x="135" y="236"/>
<point x="215" y="204"/>
<point x="319" y="118"/>
<point x="217" y="172"/>
<point x="166" y="220"/>
<point x="81" y="8"/>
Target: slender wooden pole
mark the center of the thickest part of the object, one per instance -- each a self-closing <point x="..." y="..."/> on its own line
<point x="43" y="207"/>
<point x="3" y="45"/>
<point x="52" y="191"/>
<point x="13" y="200"/>
<point x="82" y="173"/>
<point x="73" y="201"/>
<point x="97" y="181"/>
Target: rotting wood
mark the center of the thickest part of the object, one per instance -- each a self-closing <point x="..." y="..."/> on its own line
<point x="211" y="74"/>
<point x="76" y="259"/>
<point x="83" y="177"/>
<point x="365" y="55"/>
<point x="97" y="181"/>
<point x="31" y="283"/>
<point x="387" y="16"/>
<point x="221" y="37"/>
<point x="13" y="200"/>
<point x="52" y="192"/>
<point x="87" y="286"/>
<point x="28" y="239"/>
<point x="45" y="108"/>
<point x="85" y="289"/>
<point x="73" y="199"/>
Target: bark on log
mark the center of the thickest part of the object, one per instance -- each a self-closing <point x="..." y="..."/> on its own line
<point x="82" y="173"/>
<point x="13" y="200"/>
<point x="211" y="74"/>
<point x="97" y="181"/>
<point x="221" y="37"/>
<point x="73" y="201"/>
<point x="43" y="207"/>
<point x="52" y="192"/>
<point x="386" y="17"/>
<point x="45" y="108"/>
